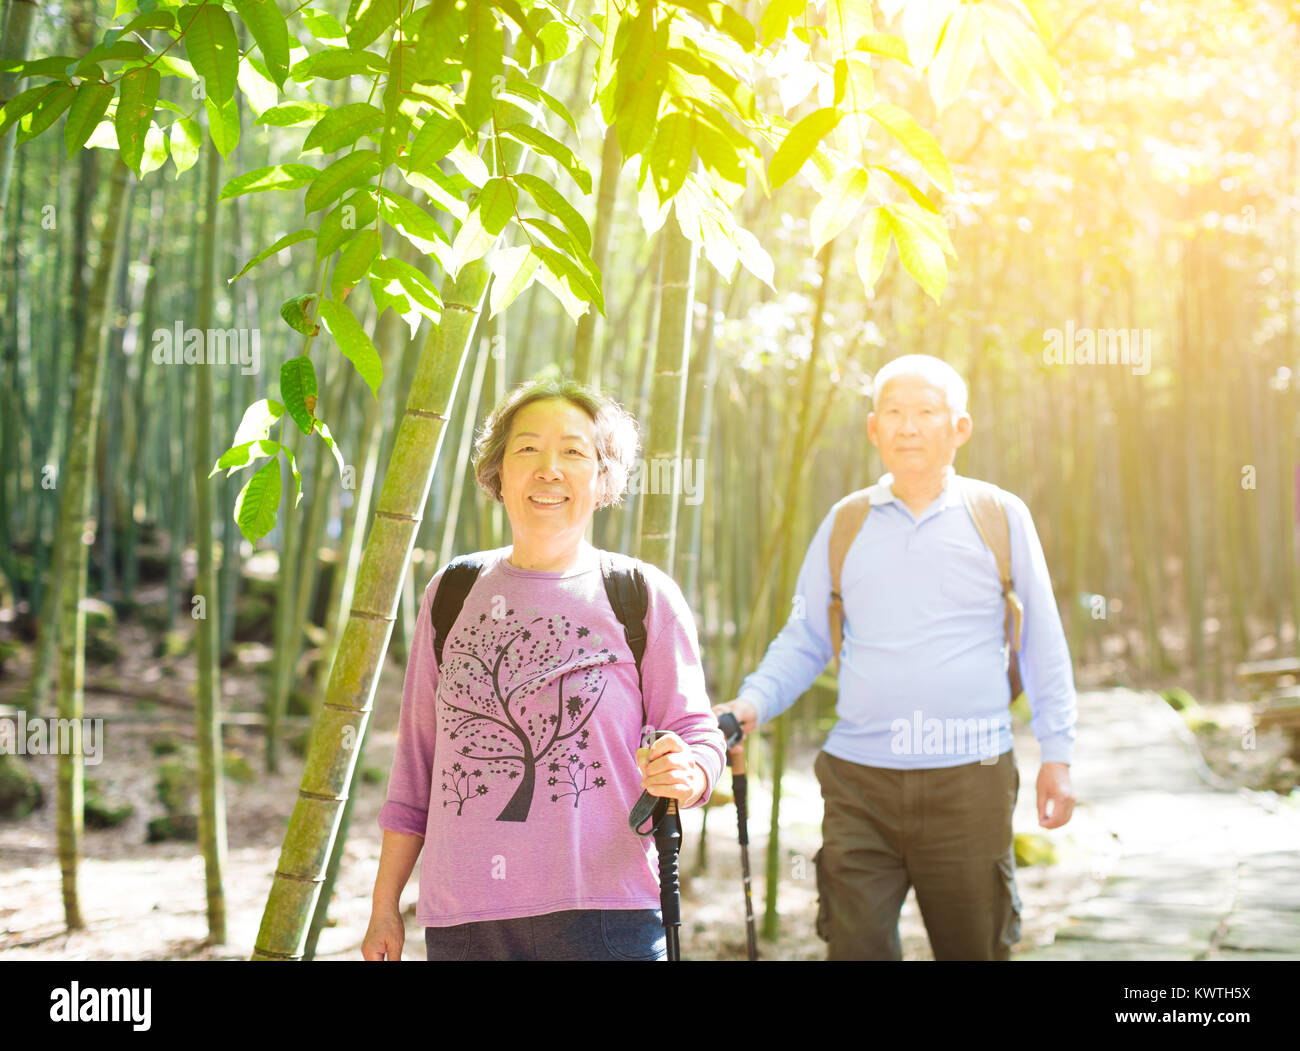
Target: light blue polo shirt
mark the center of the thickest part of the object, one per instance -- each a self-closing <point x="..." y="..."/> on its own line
<point x="923" y="668"/>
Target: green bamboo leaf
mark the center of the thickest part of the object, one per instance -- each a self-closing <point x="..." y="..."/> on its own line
<point x="367" y="19"/>
<point x="293" y="114"/>
<point x="354" y="262"/>
<point x="341" y="223"/>
<point x="343" y="126"/>
<point x="910" y="188"/>
<point x="512" y="272"/>
<point x="297" y="475"/>
<point x="484" y="65"/>
<point x="353" y="342"/>
<point x="723" y="17"/>
<point x="884" y="44"/>
<point x="496" y="204"/>
<point x="471" y="242"/>
<point x="321" y="25"/>
<point x="552" y="201"/>
<point x="1022" y="58"/>
<point x="873" y="244"/>
<point x="415" y="224"/>
<point x="670" y="153"/>
<point x="265" y="21"/>
<point x="436" y="137"/>
<point x="258" y="419"/>
<point x="915" y="140"/>
<point x="241" y="454"/>
<point x="294" y="312"/>
<point x="211" y="44"/>
<point x="266" y="253"/>
<point x="512" y="10"/>
<point x="418" y="287"/>
<point x="839" y="204"/>
<point x="332" y="445"/>
<point x="921" y="256"/>
<point x="579" y="282"/>
<point x="846" y="22"/>
<point x="22" y="104"/>
<point x="275" y="177"/>
<point x="223" y="124"/>
<point x="799" y="144"/>
<point x="298" y="390"/>
<point x="184" y="139"/>
<point x="255" y="82"/>
<point x="776" y="18"/>
<point x="155" y="150"/>
<point x="259" y="500"/>
<point x="56" y="99"/>
<point x="554" y="149"/>
<point x="87" y="109"/>
<point x="346" y="172"/>
<point x="337" y="63"/>
<point x="957" y="53"/>
<point x="134" y="115"/>
<point x="522" y="88"/>
<point x="150" y="20"/>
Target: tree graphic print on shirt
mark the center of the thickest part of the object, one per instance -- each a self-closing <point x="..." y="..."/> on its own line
<point x="518" y="693"/>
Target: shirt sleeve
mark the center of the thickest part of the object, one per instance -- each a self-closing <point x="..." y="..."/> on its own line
<point x="1045" y="666"/>
<point x="406" y="808"/>
<point x="802" y="649"/>
<point x="672" y="678"/>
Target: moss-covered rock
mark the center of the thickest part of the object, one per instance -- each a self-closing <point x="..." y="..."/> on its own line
<point x="183" y="827"/>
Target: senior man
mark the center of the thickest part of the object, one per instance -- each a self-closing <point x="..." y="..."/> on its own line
<point x="918" y="774"/>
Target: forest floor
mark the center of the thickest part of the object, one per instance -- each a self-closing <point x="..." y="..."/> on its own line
<point x="144" y="901"/>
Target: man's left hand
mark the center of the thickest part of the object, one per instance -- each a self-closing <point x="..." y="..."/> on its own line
<point x="1054" y="787"/>
<point x="669" y="770"/>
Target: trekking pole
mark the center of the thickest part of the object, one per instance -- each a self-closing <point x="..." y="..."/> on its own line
<point x="667" y="830"/>
<point x="730" y="728"/>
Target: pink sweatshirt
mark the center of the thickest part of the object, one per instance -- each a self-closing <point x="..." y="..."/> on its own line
<point x="517" y="760"/>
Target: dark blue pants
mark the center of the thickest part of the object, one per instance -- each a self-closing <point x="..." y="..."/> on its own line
<point x="577" y="934"/>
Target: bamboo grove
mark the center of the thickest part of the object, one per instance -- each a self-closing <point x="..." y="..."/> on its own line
<point x="726" y="214"/>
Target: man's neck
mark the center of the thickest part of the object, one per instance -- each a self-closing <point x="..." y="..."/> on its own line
<point x="918" y="491"/>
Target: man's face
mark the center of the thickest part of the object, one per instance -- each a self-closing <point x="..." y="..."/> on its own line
<point x="549" y="471"/>
<point x="913" y="429"/>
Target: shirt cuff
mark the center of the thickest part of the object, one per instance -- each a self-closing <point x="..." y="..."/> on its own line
<point x="704" y="758"/>
<point x="398" y="817"/>
<point x="1058" y="748"/>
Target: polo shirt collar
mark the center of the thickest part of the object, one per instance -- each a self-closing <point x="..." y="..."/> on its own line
<point x="881" y="493"/>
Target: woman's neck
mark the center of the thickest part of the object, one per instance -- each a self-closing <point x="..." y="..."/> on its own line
<point x="549" y="559"/>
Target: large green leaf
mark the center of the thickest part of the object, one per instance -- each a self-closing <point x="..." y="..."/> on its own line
<point x="223" y="124"/>
<point x="241" y="454"/>
<point x="336" y="63"/>
<point x="416" y="225"/>
<point x="957" y="53"/>
<point x="918" y="142"/>
<point x="799" y="144"/>
<point x="266" y="22"/>
<point x="343" y="126"/>
<point x="279" y="246"/>
<point x="496" y="204"/>
<point x="213" y="48"/>
<point x="135" y="105"/>
<point x="512" y="272"/>
<point x="846" y="22"/>
<point x="839" y="204"/>
<point x="554" y="149"/>
<point x="550" y="200"/>
<point x="340" y="224"/>
<point x="48" y="109"/>
<point x="293" y="114"/>
<point x="873" y="244"/>
<point x="294" y="312"/>
<point x="354" y="262"/>
<point x="184" y="139"/>
<point x="87" y="109"/>
<point x="436" y="137"/>
<point x="259" y="500"/>
<point x="1022" y="58"/>
<point x="671" y="152"/>
<point x="346" y="172"/>
<point x="484" y="63"/>
<point x="367" y="19"/>
<point x="298" y="390"/>
<point x="275" y="177"/>
<point x="922" y="257"/>
<point x="353" y="342"/>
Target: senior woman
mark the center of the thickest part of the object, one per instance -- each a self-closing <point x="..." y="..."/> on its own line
<point x="517" y="759"/>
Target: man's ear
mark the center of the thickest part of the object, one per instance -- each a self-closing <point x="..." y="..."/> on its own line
<point x="871" y="429"/>
<point x="964" y="427"/>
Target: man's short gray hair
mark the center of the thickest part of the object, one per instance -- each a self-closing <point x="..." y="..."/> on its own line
<point x="933" y="370"/>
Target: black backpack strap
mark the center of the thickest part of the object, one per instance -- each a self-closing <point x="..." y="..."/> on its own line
<point x="626" y="589"/>
<point x="457" y="580"/>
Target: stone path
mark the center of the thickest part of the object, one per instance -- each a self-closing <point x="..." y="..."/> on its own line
<point x="1200" y="870"/>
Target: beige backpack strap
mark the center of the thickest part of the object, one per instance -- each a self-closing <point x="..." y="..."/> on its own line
<point x="850" y="513"/>
<point x="990" y="518"/>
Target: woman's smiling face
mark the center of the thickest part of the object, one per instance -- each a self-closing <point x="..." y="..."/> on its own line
<point x="550" y="472"/>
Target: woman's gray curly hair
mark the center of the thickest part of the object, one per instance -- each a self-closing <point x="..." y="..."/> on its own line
<point x="617" y="437"/>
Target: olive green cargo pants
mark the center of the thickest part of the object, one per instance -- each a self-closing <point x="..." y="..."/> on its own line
<point x="946" y="831"/>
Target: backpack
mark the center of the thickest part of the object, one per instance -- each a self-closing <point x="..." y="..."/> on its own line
<point x="624" y="586"/>
<point x="990" y="517"/>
